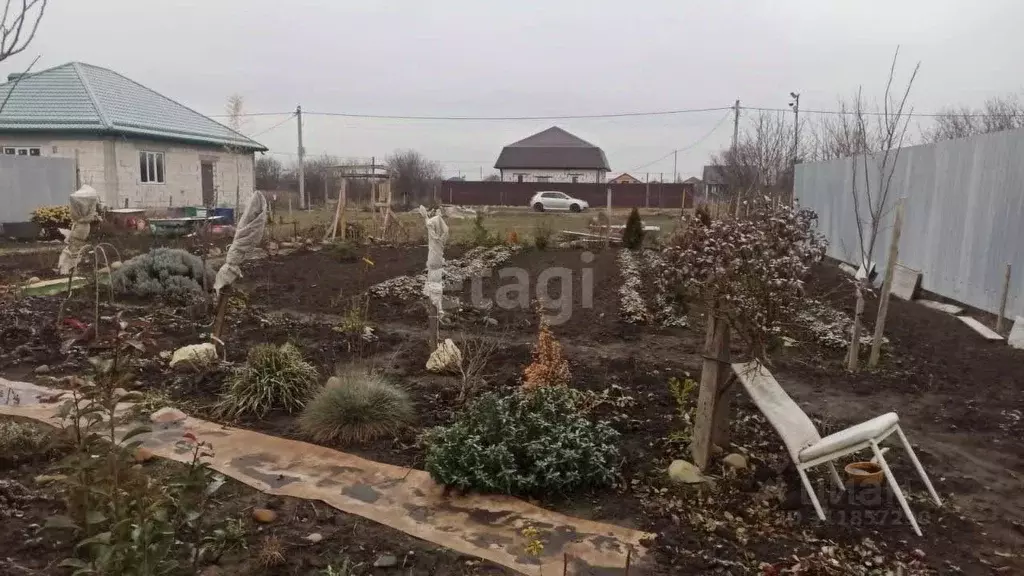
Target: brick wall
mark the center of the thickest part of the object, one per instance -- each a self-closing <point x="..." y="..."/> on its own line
<point x="654" y="195"/>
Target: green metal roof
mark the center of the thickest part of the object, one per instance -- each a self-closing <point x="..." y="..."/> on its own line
<point x="82" y="97"/>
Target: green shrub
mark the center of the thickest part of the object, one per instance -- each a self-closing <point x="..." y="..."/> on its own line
<point x="633" y="233"/>
<point x="51" y="219"/>
<point x="22" y="440"/>
<point x="481" y="235"/>
<point x="532" y="442"/>
<point x="167" y="273"/>
<point x="542" y="233"/>
<point x="272" y="378"/>
<point x="343" y="251"/>
<point x="356" y="407"/>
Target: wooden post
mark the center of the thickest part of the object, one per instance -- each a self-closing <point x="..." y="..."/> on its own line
<point x="344" y="209"/>
<point x="711" y="426"/>
<point x="853" y="356"/>
<point x="337" y="212"/>
<point x="608" y="239"/>
<point x="1002" y="300"/>
<point x="890" y="269"/>
<point x="222" y="308"/>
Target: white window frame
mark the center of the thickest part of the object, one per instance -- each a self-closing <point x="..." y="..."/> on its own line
<point x="152" y="167"/>
<point x="21" y="150"/>
<point x="542" y="178"/>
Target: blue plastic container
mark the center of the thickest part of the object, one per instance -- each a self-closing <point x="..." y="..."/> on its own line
<point x="227" y="215"/>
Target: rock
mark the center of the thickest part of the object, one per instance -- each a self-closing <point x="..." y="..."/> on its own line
<point x="167" y="415"/>
<point x="685" y="472"/>
<point x="490" y="321"/>
<point x="34" y="280"/>
<point x="263" y="515"/>
<point x="119" y="392"/>
<point x="734" y="460"/>
<point x="272" y="246"/>
<point x="1016" y="338"/>
<point x="42" y="369"/>
<point x="144" y="454"/>
<point x="315" y="537"/>
<point x="195" y="355"/>
<point x="447" y="358"/>
<point x="214" y="252"/>
<point x="288" y="245"/>
<point x="165" y="354"/>
<point x="116" y="264"/>
<point x="386" y="561"/>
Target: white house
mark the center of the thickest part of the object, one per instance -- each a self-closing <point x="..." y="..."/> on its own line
<point x="136" y="147"/>
<point x="553" y="155"/>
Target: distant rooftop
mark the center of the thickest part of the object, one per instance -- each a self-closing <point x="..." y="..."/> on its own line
<point x="553" y="148"/>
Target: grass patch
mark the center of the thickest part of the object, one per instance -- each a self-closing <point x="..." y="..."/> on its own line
<point x="273" y="377"/>
<point x="356" y="407"/>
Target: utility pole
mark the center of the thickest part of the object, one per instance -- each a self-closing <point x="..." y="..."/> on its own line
<point x="736" y="124"/>
<point x="795" y="105"/>
<point x="675" y="170"/>
<point x="302" y="161"/>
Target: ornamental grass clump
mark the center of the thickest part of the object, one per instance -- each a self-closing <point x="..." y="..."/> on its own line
<point x="529" y="443"/>
<point x="272" y="378"/>
<point x="549" y="366"/>
<point x="354" y="407"/>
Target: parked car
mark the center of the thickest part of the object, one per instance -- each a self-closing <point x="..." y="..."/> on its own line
<point x="542" y="201"/>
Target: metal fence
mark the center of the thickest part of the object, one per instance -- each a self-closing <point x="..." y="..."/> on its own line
<point x="28" y="182"/>
<point x="964" y="216"/>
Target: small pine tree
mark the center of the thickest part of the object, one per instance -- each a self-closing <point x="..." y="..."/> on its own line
<point x="633" y="234"/>
<point x="549" y="367"/>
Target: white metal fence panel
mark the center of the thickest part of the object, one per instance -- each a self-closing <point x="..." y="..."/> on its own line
<point x="28" y="182"/>
<point x="964" y="214"/>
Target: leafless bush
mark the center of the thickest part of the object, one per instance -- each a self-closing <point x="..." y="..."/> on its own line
<point x="476" y="355"/>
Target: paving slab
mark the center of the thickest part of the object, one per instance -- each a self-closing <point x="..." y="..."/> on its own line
<point x="985" y="331"/>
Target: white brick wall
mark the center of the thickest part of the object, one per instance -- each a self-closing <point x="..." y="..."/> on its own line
<point x="119" y="179"/>
<point x="566" y="176"/>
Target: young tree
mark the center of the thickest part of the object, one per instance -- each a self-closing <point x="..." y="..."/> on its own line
<point x="18" y="26"/>
<point x="872" y="181"/>
<point x="269" y="172"/>
<point x="761" y="163"/>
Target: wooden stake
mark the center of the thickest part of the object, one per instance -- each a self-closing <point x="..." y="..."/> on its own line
<point x="1002" y="300"/>
<point x="565" y="563"/>
<point x="629" y="558"/>
<point x="890" y="270"/>
<point x="344" y="209"/>
<point x="608" y="240"/>
<point x="853" y="357"/>
<point x="712" y="422"/>
<point x="337" y="211"/>
<point x="222" y="308"/>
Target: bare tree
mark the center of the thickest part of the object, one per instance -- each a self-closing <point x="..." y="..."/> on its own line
<point x="18" y="25"/>
<point x="996" y="114"/>
<point x="269" y="172"/>
<point x="414" y="176"/>
<point x="872" y="181"/>
<point x="761" y="163"/>
<point x="492" y="178"/>
<point x="841" y="135"/>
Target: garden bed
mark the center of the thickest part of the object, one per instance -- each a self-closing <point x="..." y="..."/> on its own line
<point x="956" y="395"/>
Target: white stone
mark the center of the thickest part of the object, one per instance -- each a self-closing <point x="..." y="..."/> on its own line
<point x="167" y="415"/>
<point x="447" y="358"/>
<point x="1016" y="338"/>
<point x="734" y="460"/>
<point x="685" y="472"/>
<point x="195" y="354"/>
<point x="315" y="537"/>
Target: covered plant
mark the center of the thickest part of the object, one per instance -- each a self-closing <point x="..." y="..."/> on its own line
<point x="748" y="271"/>
<point x="164" y="272"/>
<point x="549" y="366"/>
<point x="633" y="233"/>
<point x="532" y="442"/>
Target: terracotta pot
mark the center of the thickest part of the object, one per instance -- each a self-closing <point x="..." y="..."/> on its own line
<point x="864" y="473"/>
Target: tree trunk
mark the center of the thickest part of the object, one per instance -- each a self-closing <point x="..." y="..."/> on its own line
<point x="853" y="359"/>
<point x="711" y="425"/>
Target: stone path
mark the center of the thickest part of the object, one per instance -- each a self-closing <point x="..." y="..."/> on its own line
<point x="488" y="527"/>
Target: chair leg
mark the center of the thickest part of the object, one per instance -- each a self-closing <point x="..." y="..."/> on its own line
<point x="810" y="492"/>
<point x="917" y="464"/>
<point x="895" y="488"/>
<point x="835" y="477"/>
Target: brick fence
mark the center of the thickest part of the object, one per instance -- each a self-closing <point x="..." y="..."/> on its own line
<point x="653" y="195"/>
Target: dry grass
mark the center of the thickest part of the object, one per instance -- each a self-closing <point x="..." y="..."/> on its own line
<point x="271" y="552"/>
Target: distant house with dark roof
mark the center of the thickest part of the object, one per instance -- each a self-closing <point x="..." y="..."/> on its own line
<point x="136" y="147"/>
<point x="553" y="155"/>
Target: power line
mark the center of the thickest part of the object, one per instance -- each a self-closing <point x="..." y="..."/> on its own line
<point x="250" y="114"/>
<point x="688" y="146"/>
<point x="868" y="113"/>
<point x="514" y="118"/>
<point x="274" y="126"/>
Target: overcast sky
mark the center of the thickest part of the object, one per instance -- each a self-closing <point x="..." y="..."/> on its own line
<point x="529" y="58"/>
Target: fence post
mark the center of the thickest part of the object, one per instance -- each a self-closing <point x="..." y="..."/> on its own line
<point x="890" y="269"/>
<point x="608" y="239"/>
<point x="711" y="423"/>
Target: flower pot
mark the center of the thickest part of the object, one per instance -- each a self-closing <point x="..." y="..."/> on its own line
<point x="864" y="474"/>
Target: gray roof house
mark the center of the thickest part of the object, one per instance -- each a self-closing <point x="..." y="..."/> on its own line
<point x="553" y="155"/>
<point x="136" y="147"/>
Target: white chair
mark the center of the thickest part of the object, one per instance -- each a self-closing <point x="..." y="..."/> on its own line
<point x="808" y="449"/>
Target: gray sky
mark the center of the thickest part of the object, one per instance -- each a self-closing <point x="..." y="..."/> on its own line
<point x="528" y="58"/>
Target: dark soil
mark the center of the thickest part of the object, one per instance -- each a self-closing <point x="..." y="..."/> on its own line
<point x="25" y="505"/>
<point x="956" y="395"/>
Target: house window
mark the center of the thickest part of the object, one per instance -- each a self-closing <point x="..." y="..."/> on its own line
<point x="151" y="167"/>
<point x="543" y="178"/>
<point x="20" y="151"/>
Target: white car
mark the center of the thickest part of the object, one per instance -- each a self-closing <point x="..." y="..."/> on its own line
<point x="542" y="201"/>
